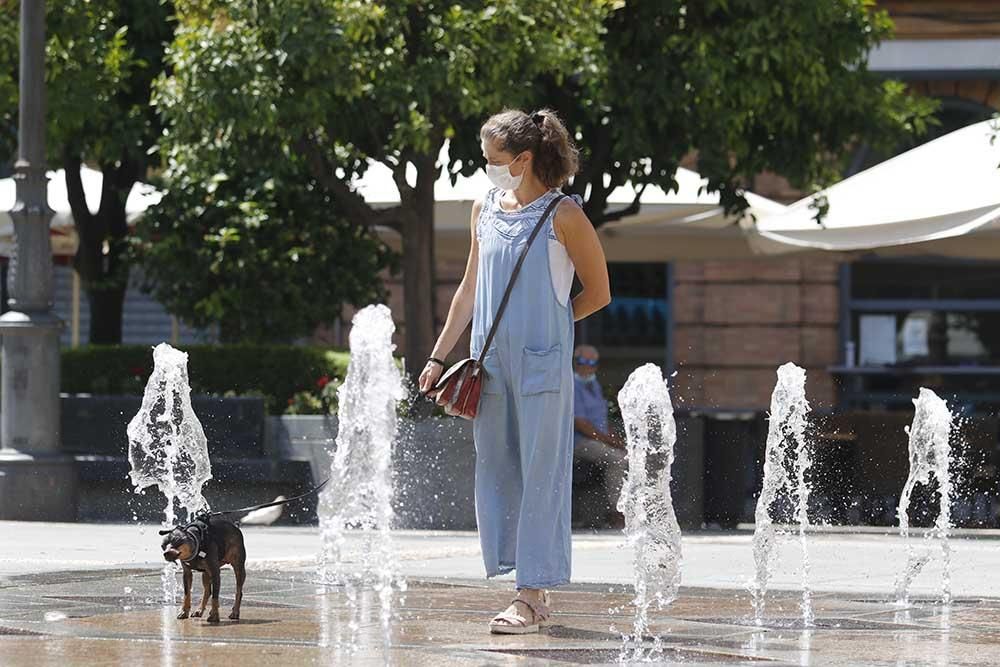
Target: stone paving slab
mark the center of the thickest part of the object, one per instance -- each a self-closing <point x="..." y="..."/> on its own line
<point x="862" y="562"/>
<point x="84" y="594"/>
<point x="114" y="617"/>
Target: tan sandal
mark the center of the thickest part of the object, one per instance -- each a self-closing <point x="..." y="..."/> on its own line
<point x="512" y="623"/>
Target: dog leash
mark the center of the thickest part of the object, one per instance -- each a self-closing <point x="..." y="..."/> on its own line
<point x="272" y="504"/>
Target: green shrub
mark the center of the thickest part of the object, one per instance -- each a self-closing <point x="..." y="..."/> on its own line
<point x="276" y="372"/>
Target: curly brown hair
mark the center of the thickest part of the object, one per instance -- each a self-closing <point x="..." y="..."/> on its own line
<point x="556" y="158"/>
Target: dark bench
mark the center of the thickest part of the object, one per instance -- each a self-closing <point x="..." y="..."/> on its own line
<point x="94" y="432"/>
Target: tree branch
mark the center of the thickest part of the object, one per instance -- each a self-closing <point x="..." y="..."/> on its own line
<point x="115" y="188"/>
<point x="353" y="204"/>
<point x="599" y="155"/>
<point x="592" y="175"/>
<point x="406" y="194"/>
<point x="631" y="209"/>
<point x="82" y="218"/>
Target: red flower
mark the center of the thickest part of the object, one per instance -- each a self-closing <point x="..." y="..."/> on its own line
<point x="291" y="400"/>
<point x="323" y="381"/>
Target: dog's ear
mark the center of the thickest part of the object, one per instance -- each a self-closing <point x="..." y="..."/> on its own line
<point x="166" y="532"/>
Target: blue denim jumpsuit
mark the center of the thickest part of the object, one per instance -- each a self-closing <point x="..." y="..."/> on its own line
<point x="524" y="427"/>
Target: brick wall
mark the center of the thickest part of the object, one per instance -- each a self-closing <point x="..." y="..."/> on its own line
<point x="736" y="322"/>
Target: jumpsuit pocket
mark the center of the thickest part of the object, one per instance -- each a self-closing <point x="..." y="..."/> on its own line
<point x="540" y="370"/>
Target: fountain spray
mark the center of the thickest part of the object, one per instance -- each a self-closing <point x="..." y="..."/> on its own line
<point x="930" y="456"/>
<point x="651" y="526"/>
<point x="359" y="495"/>
<point x="168" y="448"/>
<point x="787" y="454"/>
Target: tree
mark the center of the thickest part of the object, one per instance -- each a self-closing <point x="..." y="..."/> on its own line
<point x="747" y="85"/>
<point x="343" y="83"/>
<point x="258" y="249"/>
<point x="101" y="59"/>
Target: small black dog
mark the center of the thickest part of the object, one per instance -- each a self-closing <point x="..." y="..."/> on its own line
<point x="205" y="545"/>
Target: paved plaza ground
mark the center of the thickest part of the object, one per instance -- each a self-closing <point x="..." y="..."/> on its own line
<point x="89" y="594"/>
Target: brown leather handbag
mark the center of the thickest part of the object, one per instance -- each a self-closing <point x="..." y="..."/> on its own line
<point x="458" y="389"/>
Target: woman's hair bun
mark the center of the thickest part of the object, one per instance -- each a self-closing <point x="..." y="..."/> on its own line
<point x="543" y="133"/>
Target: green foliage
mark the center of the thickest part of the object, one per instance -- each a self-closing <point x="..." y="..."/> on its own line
<point x="259" y="250"/>
<point x="747" y="85"/>
<point x="332" y="85"/>
<point x="277" y="372"/>
<point x="381" y="80"/>
<point x="101" y="59"/>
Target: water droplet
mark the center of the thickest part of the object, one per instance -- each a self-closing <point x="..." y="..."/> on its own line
<point x="53" y="616"/>
<point x="128" y="590"/>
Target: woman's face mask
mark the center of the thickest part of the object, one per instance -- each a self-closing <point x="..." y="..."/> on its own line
<point x="500" y="176"/>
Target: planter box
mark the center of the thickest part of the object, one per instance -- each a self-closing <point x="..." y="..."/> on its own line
<point x="94" y="432"/>
<point x="434" y="461"/>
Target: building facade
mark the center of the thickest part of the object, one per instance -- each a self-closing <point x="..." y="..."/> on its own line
<point x="868" y="331"/>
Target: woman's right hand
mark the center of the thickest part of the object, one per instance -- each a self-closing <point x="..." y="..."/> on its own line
<point x="429" y="376"/>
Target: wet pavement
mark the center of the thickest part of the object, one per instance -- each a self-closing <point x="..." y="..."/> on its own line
<point x="79" y="594"/>
<point x="114" y="617"/>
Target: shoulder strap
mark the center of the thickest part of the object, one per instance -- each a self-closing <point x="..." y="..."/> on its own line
<point x="517" y="269"/>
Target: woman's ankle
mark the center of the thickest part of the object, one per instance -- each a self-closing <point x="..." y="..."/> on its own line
<point x="534" y="594"/>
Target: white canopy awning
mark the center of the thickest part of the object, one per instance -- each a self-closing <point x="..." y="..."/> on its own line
<point x="687" y="223"/>
<point x="940" y="198"/>
<point x="64" y="239"/>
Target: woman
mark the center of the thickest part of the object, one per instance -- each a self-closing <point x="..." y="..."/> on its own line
<point x="524" y="427"/>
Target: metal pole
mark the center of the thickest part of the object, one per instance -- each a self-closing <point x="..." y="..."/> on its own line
<point x="37" y="481"/>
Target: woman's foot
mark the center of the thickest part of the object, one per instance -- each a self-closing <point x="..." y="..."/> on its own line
<point x="528" y="612"/>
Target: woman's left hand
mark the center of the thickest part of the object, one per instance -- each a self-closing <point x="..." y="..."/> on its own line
<point x="429" y="376"/>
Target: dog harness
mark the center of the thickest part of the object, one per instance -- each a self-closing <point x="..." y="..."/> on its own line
<point x="197" y="530"/>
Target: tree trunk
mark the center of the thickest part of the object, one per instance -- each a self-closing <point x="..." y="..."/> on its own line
<point x="418" y="268"/>
<point x="103" y="270"/>
<point x="106" y="309"/>
<point x="3" y="287"/>
<point x="231" y="330"/>
<point x="101" y="256"/>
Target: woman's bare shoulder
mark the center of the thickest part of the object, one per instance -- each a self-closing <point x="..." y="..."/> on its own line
<point x="477" y="208"/>
<point x="570" y="217"/>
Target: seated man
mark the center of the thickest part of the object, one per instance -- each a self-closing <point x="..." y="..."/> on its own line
<point x="593" y="442"/>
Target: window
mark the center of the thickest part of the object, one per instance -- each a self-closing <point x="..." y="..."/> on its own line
<point x="635" y="327"/>
<point x="944" y="313"/>
<point x="913" y="323"/>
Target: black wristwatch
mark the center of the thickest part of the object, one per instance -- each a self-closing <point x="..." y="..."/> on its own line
<point x="436" y="361"/>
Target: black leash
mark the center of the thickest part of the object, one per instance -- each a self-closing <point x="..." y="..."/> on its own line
<point x="276" y="502"/>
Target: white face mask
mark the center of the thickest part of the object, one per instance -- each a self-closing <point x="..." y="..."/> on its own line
<point x="586" y="378"/>
<point x="500" y="176"/>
